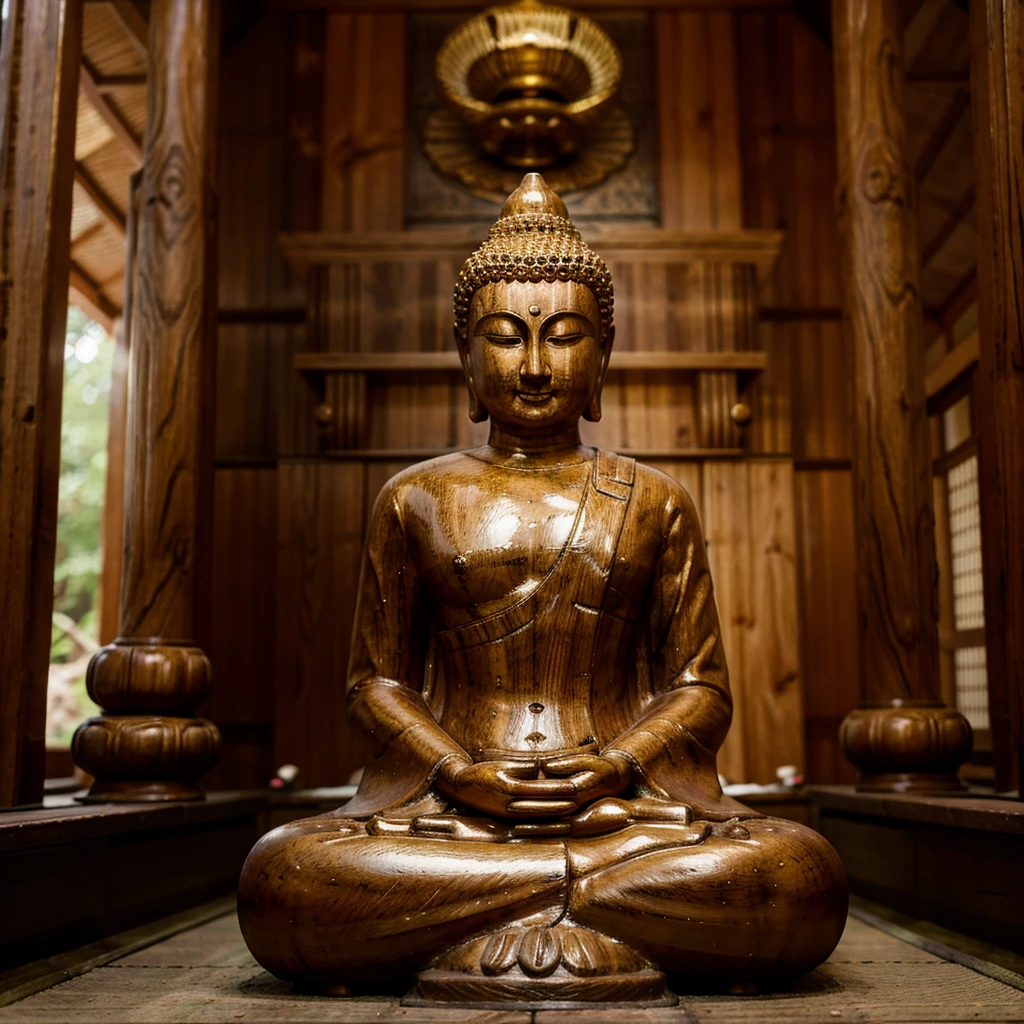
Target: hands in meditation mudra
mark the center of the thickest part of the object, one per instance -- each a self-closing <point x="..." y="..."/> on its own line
<point x="537" y="671"/>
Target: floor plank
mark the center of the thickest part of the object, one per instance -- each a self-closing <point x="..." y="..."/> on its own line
<point x="205" y="975"/>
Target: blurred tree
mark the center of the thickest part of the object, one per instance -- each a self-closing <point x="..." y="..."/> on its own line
<point x="88" y="354"/>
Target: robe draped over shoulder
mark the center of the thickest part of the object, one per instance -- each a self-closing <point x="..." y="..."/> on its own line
<point x="649" y="617"/>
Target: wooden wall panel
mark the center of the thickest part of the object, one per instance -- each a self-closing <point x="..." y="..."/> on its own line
<point x="698" y="119"/>
<point x="828" y="614"/>
<point x="364" y="122"/>
<point x="244" y="618"/>
<point x="801" y="404"/>
<point x="270" y="168"/>
<point x="320" y="534"/>
<point x="749" y="528"/>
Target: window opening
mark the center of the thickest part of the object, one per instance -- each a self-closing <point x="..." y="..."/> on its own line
<point x="88" y="358"/>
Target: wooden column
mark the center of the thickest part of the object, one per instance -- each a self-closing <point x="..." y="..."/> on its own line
<point x="997" y="87"/>
<point x="39" y="58"/>
<point x="149" y="745"/>
<point x="901" y="737"/>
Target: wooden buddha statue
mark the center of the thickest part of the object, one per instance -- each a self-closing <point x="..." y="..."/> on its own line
<point x="537" y="671"/>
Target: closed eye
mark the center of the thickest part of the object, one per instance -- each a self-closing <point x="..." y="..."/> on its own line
<point x="565" y="339"/>
<point x="504" y="339"/>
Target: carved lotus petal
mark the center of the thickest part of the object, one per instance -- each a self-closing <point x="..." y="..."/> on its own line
<point x="500" y="953"/>
<point x="539" y="952"/>
<point x="582" y="953"/>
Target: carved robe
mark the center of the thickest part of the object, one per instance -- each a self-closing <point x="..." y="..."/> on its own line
<point x="618" y="647"/>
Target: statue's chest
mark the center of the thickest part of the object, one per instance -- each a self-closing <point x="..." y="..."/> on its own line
<point x="501" y="545"/>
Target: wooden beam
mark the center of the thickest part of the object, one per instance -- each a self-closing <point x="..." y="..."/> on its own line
<point x="101" y="200"/>
<point x="39" y="55"/>
<point x="958" y="105"/>
<point x="96" y="304"/>
<point x="134" y="23"/>
<point x="948" y="226"/>
<point x="165" y="596"/>
<point x="106" y="84"/>
<point x="897" y="592"/>
<point x="114" y="121"/>
<point x="997" y="85"/>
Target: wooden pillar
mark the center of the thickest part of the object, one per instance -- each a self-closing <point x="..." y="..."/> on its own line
<point x="997" y="87"/>
<point x="39" y="57"/>
<point x="902" y="737"/>
<point x="149" y="745"/>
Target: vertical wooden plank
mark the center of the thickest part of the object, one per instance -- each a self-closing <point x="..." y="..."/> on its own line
<point x="39" y="58"/>
<point x="997" y="86"/>
<point x="773" y="684"/>
<point x="826" y="563"/>
<point x="320" y="534"/>
<point x="698" y="120"/>
<point x="726" y="493"/>
<point x="244" y="618"/>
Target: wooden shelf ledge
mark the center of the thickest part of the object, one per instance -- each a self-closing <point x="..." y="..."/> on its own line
<point x="618" y="245"/>
<point x="971" y="810"/>
<point x="448" y="362"/>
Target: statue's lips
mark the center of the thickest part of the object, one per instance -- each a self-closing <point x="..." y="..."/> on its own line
<point x="536" y="397"/>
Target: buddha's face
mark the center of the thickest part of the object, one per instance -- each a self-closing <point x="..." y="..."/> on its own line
<point x="533" y="353"/>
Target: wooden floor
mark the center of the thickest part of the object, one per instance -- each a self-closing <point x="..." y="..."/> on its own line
<point x="205" y="974"/>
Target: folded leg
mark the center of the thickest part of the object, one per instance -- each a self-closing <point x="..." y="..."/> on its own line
<point x="321" y="900"/>
<point x="763" y="899"/>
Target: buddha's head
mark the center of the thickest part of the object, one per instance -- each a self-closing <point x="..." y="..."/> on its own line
<point x="533" y="318"/>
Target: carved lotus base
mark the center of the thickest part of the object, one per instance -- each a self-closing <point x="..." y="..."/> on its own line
<point x="541" y="967"/>
<point x="146" y="757"/>
<point x="907" y="746"/>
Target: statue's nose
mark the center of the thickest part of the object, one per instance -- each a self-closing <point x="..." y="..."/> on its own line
<point x="534" y="365"/>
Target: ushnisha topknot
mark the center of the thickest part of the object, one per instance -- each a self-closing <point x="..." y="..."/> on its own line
<point x="534" y="240"/>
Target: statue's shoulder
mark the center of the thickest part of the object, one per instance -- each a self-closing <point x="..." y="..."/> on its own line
<point x="434" y="476"/>
<point x="653" y="486"/>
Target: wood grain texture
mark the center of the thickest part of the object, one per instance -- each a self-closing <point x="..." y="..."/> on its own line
<point x="320" y="533"/>
<point x="749" y="529"/>
<point x="997" y="85"/>
<point x="38" y="97"/>
<point x="149" y="745"/>
<point x="897" y="594"/>
<point x="698" y="119"/>
<point x="169" y="466"/>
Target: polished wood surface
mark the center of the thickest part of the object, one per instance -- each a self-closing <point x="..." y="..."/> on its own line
<point x="38" y="97"/>
<point x="537" y="674"/>
<point x="272" y="126"/>
<point x="149" y="745"/>
<point x="997" y="84"/>
<point x="902" y="736"/>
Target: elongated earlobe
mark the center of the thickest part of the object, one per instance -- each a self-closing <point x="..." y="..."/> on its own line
<point x="593" y="410"/>
<point x="477" y="409"/>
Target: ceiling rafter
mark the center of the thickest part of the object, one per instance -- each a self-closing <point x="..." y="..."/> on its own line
<point x="133" y="21"/>
<point x="96" y="304"/>
<point x="100" y="199"/>
<point x="949" y="225"/>
<point x="106" y="84"/>
<point x="941" y="133"/>
<point x="114" y="121"/>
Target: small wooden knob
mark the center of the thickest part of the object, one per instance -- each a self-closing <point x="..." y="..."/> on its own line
<point x="323" y="414"/>
<point x="741" y="414"/>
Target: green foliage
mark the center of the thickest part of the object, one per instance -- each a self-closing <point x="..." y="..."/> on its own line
<point x="88" y="355"/>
